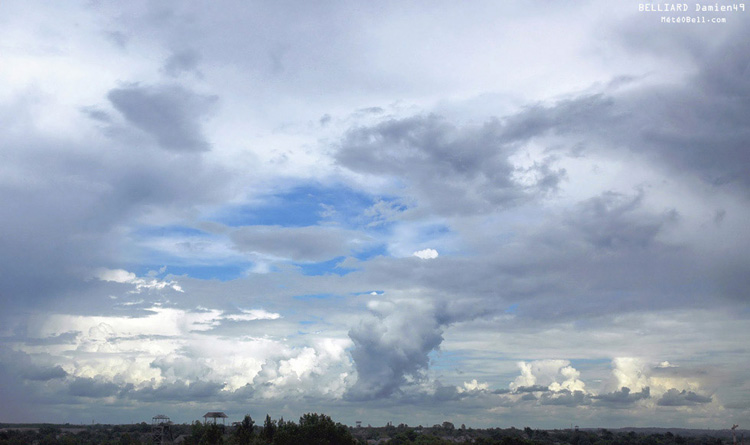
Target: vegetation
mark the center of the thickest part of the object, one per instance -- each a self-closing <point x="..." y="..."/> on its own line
<point x="320" y="429"/>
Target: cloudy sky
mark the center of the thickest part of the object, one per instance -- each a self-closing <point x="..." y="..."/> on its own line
<point x="493" y="213"/>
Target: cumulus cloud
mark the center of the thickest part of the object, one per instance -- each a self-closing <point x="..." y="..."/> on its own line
<point x="141" y="284"/>
<point x="623" y="396"/>
<point x="672" y="384"/>
<point x="115" y="275"/>
<point x="426" y="254"/>
<point x="474" y="385"/>
<point x="629" y="372"/>
<point x="666" y="364"/>
<point x="321" y="369"/>
<point x="555" y="382"/>
<point x="43" y="374"/>
<point x="675" y="397"/>
<point x="391" y="347"/>
<point x="552" y="375"/>
<point x="565" y="398"/>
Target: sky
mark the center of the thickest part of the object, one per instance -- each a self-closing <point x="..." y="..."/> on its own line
<point x="517" y="213"/>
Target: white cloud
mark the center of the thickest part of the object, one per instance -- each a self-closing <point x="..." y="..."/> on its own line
<point x="474" y="385"/>
<point x="666" y="364"/>
<point x="180" y="347"/>
<point x="253" y="314"/>
<point x="426" y="254"/>
<point x="115" y="275"/>
<point x="123" y="276"/>
<point x="629" y="372"/>
<point x="556" y="375"/>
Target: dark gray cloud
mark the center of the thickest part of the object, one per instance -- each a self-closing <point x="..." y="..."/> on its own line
<point x="185" y="61"/>
<point x="453" y="169"/>
<point x="445" y="393"/>
<point x="623" y="396"/>
<point x="699" y="126"/>
<point x="25" y="368"/>
<point x="675" y="397"/>
<point x="612" y="221"/>
<point x="43" y="374"/>
<point x="534" y="388"/>
<point x="179" y="391"/>
<point x="171" y="114"/>
<point x="565" y="398"/>
<point x="61" y="339"/>
<point x="92" y="387"/>
<point x="65" y="211"/>
<point x="392" y="347"/>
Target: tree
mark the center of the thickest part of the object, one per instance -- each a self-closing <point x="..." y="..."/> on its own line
<point x="244" y="432"/>
<point x="213" y="434"/>
<point x="269" y="429"/>
<point x="314" y="429"/>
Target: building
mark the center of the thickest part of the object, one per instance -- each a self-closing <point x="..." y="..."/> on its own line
<point x="214" y="415"/>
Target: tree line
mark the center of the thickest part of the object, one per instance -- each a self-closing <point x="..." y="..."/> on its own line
<point x="320" y="429"/>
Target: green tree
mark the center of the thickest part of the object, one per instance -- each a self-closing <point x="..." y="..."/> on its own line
<point x="243" y="434"/>
<point x="213" y="434"/>
<point x="269" y="429"/>
<point x="313" y="429"/>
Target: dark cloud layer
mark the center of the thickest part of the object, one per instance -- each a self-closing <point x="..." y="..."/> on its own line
<point x="454" y="169"/>
<point x="92" y="387"/>
<point x="171" y="114"/>
<point x="566" y="398"/>
<point x="623" y="396"/>
<point x="180" y="62"/>
<point x="64" y="215"/>
<point x="675" y="397"/>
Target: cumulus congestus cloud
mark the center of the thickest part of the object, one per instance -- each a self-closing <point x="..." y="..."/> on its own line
<point x="391" y="347"/>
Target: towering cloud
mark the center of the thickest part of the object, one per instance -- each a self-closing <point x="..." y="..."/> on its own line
<point x="391" y="347"/>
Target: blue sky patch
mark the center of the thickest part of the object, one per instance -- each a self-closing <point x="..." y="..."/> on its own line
<point x="301" y="206"/>
<point x="168" y="231"/>
<point x="202" y="272"/>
